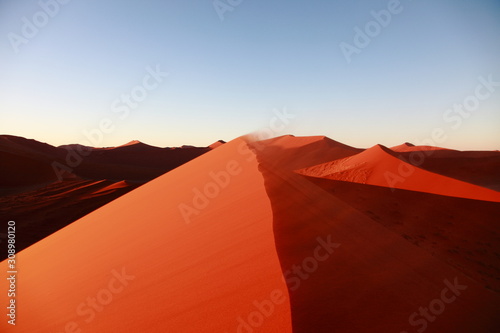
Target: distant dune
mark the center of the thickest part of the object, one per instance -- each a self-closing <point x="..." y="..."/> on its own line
<point x="133" y="161"/>
<point x="299" y="152"/>
<point x="409" y="147"/>
<point x="291" y="234"/>
<point x="475" y="167"/>
<point x="379" y="166"/>
<point x="217" y="144"/>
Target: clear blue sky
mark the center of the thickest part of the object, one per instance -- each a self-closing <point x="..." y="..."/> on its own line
<point x="227" y="76"/>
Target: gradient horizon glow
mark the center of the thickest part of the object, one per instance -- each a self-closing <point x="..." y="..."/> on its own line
<point x="225" y="77"/>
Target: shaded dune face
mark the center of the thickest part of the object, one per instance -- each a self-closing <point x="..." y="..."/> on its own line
<point x="461" y="232"/>
<point x="21" y="171"/>
<point x="374" y="278"/>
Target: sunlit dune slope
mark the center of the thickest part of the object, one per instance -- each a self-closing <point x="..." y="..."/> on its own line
<point x="192" y="272"/>
<point x="45" y="188"/>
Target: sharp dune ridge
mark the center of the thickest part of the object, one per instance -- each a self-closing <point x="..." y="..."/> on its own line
<point x="289" y="234"/>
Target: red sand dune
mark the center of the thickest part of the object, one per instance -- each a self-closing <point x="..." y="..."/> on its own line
<point x="461" y="232"/>
<point x="25" y="163"/>
<point x="196" y="277"/>
<point x="301" y="152"/>
<point x="374" y="280"/>
<point x="133" y="142"/>
<point x="476" y="167"/>
<point x="18" y="171"/>
<point x="31" y="191"/>
<point x="23" y="146"/>
<point x="439" y="152"/>
<point x="134" y="145"/>
<point x="43" y="211"/>
<point x="236" y="241"/>
<point x="378" y="166"/>
<point x="28" y="164"/>
<point x="216" y="144"/>
<point x="409" y="147"/>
